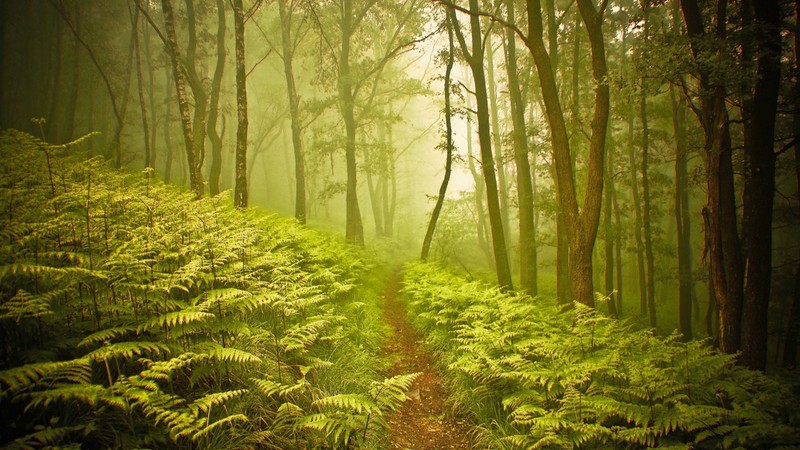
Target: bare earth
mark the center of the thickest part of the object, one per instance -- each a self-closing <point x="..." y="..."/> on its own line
<point x="425" y="421"/>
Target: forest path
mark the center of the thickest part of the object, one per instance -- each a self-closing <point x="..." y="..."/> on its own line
<point x="423" y="422"/>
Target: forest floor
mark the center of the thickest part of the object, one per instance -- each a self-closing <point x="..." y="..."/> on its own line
<point x="425" y="421"/>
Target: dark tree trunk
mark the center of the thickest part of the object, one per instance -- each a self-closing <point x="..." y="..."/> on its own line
<point x="354" y="229"/>
<point x="499" y="163"/>
<point x="294" y="112"/>
<point x="793" y="330"/>
<point x="426" y="243"/>
<point x="581" y="226"/>
<point x="213" y="112"/>
<point x="682" y="218"/>
<point x="475" y="61"/>
<point x="527" y="237"/>
<point x="719" y="214"/>
<point x="240" y="184"/>
<point x="759" y="184"/>
<point x="195" y="175"/>
<point x="646" y="226"/>
<point x="148" y="151"/>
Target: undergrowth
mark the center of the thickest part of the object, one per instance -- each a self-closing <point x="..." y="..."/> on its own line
<point x="132" y="316"/>
<point x="534" y="374"/>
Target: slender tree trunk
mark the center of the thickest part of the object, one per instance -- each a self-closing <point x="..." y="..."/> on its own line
<point x="151" y="97"/>
<point x="54" y="87"/>
<point x="719" y="214"/>
<point x="354" y="229"/>
<point x="646" y="226"/>
<point x="682" y="217"/>
<point x="759" y="185"/>
<point x="475" y="61"/>
<point x="483" y="239"/>
<point x="195" y="175"/>
<point x="168" y="126"/>
<point x="240" y="185"/>
<point x="148" y="151"/>
<point x="426" y="243"/>
<point x="618" y="252"/>
<point x="581" y="227"/>
<point x="502" y="185"/>
<point x="213" y="112"/>
<point x="793" y="331"/>
<point x="608" y="232"/>
<point x="294" y="111"/>
<point x="527" y="237"/>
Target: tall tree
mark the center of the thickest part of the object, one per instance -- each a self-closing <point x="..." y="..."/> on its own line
<point x="474" y="55"/>
<point x="647" y="232"/>
<point x="240" y="185"/>
<point x="682" y="219"/>
<point x="191" y="131"/>
<point x="759" y="182"/>
<point x="581" y="225"/>
<point x="288" y="45"/>
<point x="213" y="110"/>
<point x="719" y="214"/>
<point x="426" y="243"/>
<point x="527" y="233"/>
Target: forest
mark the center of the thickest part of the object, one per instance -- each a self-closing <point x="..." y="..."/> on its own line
<point x="395" y="224"/>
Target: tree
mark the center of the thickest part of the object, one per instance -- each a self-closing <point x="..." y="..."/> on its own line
<point x="474" y="59"/>
<point x="182" y="74"/>
<point x="426" y="243"/>
<point x="213" y="111"/>
<point x="240" y="189"/>
<point x="527" y="233"/>
<point x="288" y="46"/>
<point x="581" y="225"/>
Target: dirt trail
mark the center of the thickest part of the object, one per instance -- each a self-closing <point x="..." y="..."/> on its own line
<point x="424" y="422"/>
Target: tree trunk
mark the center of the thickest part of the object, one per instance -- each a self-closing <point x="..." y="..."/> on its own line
<point x="294" y="112"/>
<point x="502" y="185"/>
<point x="581" y="227"/>
<point x="793" y="331"/>
<point x="148" y="151"/>
<point x="168" y="127"/>
<point x="527" y="238"/>
<point x="213" y="112"/>
<point x="682" y="217"/>
<point x="354" y="230"/>
<point x="719" y="214"/>
<point x="608" y="232"/>
<point x="240" y="185"/>
<point x="475" y="61"/>
<point x="646" y="228"/>
<point x="759" y="185"/>
<point x="195" y="175"/>
<point x="426" y="243"/>
<point x="151" y="98"/>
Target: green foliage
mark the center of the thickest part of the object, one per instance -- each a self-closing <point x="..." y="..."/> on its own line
<point x="539" y="375"/>
<point x="132" y="316"/>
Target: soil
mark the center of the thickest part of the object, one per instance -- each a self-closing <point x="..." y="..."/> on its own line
<point x="425" y="421"/>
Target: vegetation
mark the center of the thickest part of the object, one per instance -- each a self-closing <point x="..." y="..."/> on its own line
<point x="535" y="374"/>
<point x="135" y="317"/>
<point x="638" y="157"/>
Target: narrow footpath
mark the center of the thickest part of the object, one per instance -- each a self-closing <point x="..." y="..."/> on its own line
<point x="425" y="421"/>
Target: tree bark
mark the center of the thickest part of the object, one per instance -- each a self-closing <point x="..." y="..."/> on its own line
<point x="646" y="226"/>
<point x="581" y="226"/>
<point x="240" y="185"/>
<point x="759" y="184"/>
<point x="140" y="87"/>
<point x="527" y="238"/>
<point x="195" y="175"/>
<point x="719" y="214"/>
<point x="354" y="229"/>
<point x="682" y="220"/>
<point x="475" y="61"/>
<point x="426" y="243"/>
<point x="500" y="168"/>
<point x="213" y="112"/>
<point x="294" y="111"/>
